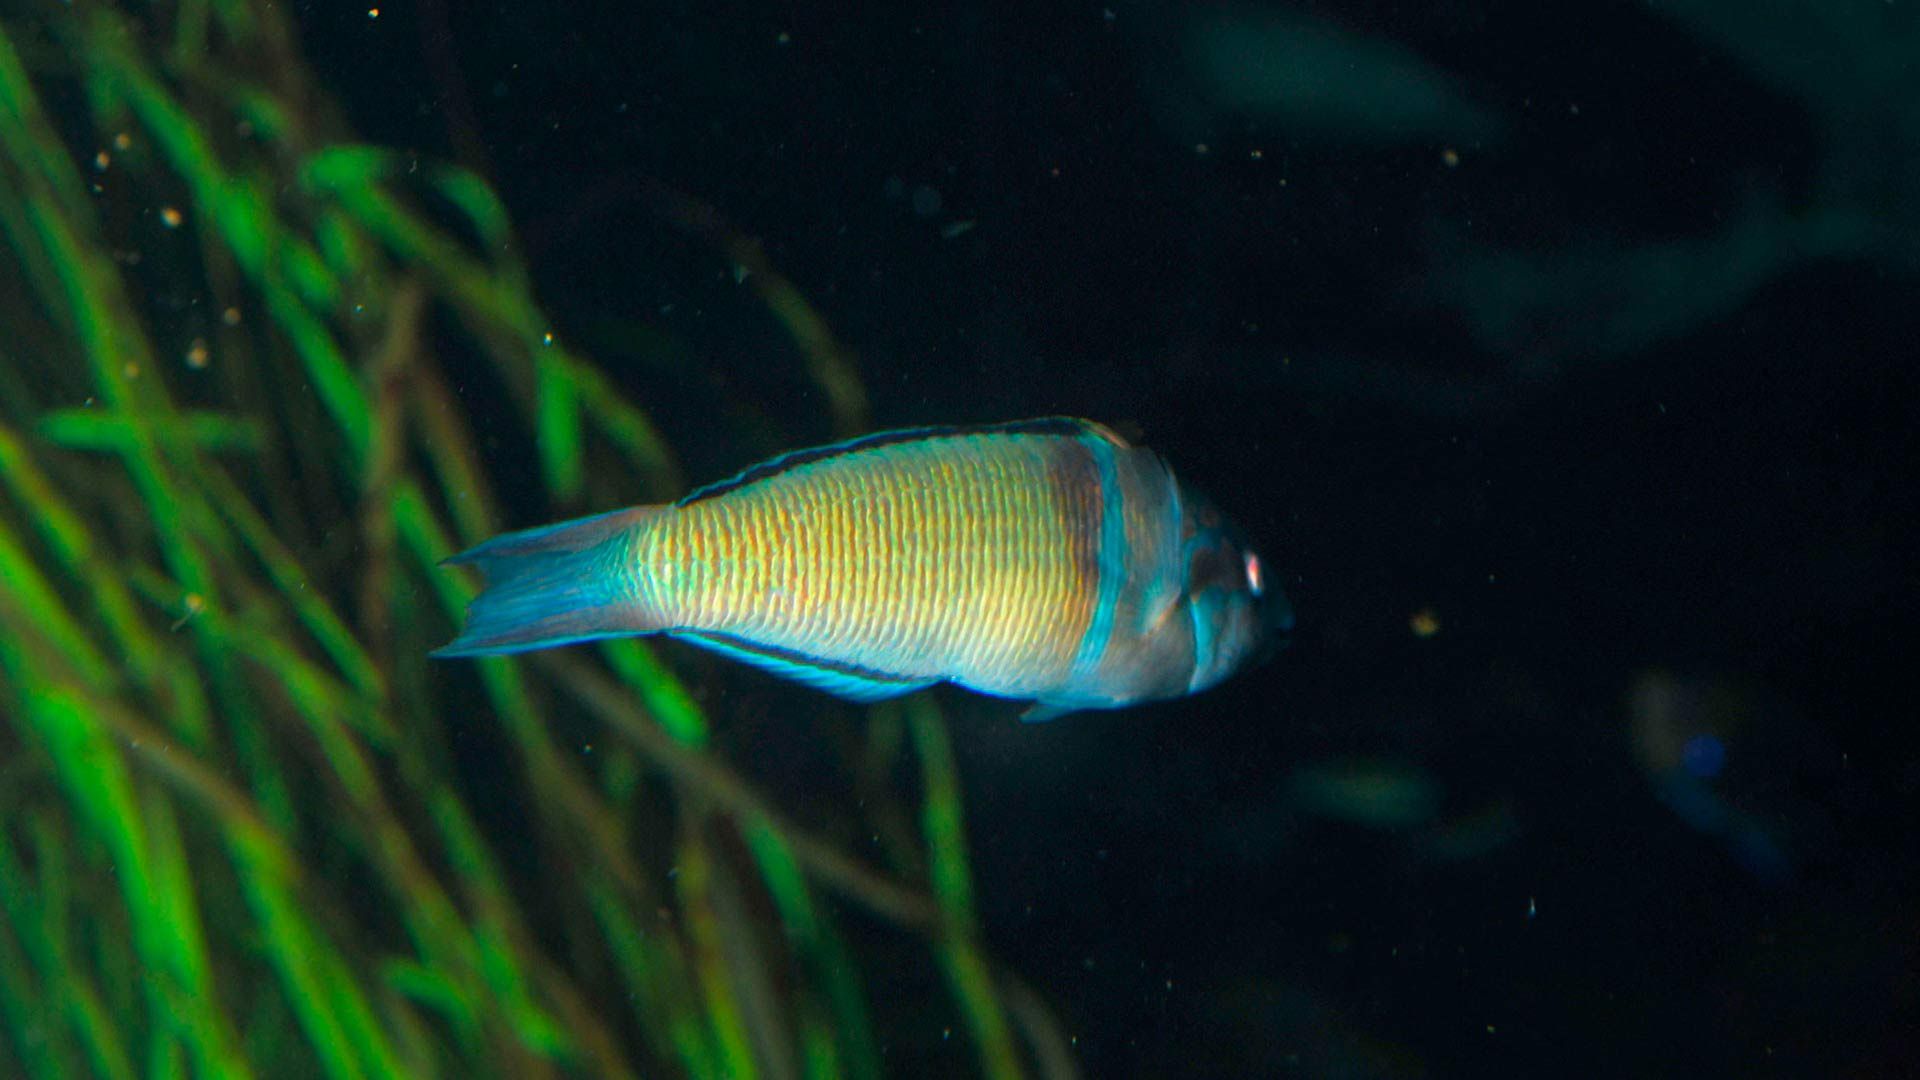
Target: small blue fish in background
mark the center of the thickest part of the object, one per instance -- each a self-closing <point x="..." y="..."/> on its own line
<point x="1730" y="759"/>
<point x="1044" y="560"/>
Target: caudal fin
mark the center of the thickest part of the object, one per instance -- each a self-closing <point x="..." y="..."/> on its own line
<point x="553" y="586"/>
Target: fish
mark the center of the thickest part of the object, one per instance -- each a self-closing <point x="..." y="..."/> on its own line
<point x="1048" y="561"/>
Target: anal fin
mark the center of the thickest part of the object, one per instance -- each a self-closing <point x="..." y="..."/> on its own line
<point x="840" y="680"/>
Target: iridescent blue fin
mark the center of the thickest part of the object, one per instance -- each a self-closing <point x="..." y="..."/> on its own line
<point x="551" y="586"/>
<point x="854" y="684"/>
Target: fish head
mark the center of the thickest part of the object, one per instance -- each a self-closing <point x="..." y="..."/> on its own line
<point x="1236" y="612"/>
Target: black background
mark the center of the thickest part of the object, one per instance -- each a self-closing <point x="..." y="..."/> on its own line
<point x="1015" y="209"/>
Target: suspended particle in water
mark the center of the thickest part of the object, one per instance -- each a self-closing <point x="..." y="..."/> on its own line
<point x="170" y="217"/>
<point x="101" y="160"/>
<point x="190" y="605"/>
<point x="197" y="355"/>
<point x="130" y="370"/>
<point x="546" y="339"/>
<point x="1450" y="157"/>
<point x="373" y="13"/>
<point x="123" y="141"/>
<point x="1424" y="623"/>
<point x="231" y="316"/>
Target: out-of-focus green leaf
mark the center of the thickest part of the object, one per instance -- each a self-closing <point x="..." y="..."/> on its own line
<point x="94" y="429"/>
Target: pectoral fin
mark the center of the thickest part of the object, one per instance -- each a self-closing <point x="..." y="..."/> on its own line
<point x="1040" y="712"/>
<point x="1159" y="606"/>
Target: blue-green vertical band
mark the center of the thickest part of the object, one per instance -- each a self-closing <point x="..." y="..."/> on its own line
<point x="1111" y="561"/>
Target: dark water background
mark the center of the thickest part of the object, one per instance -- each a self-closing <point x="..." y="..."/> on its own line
<point x="1570" y="394"/>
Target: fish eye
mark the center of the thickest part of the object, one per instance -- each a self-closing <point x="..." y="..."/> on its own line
<point x="1256" y="577"/>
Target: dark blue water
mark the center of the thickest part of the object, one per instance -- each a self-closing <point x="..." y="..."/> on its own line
<point x="1561" y="359"/>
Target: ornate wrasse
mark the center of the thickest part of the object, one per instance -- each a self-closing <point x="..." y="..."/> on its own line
<point x="1045" y="560"/>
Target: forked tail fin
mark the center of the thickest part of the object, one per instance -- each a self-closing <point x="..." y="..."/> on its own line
<point x="553" y="586"/>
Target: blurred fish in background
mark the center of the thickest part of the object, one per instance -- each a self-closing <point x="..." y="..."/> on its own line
<point x="1850" y="68"/>
<point x="1725" y="757"/>
<point x="1302" y="74"/>
<point x="1375" y="793"/>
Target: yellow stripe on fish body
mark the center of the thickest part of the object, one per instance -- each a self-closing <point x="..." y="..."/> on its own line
<point x="971" y="557"/>
<point x="1044" y="559"/>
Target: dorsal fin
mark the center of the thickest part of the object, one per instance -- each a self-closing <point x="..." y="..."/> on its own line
<point x="1062" y="426"/>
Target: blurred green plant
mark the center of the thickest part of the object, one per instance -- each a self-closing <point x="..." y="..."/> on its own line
<point x="237" y="836"/>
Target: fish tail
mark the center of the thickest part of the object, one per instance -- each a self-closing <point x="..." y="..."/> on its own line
<point x="553" y="586"/>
